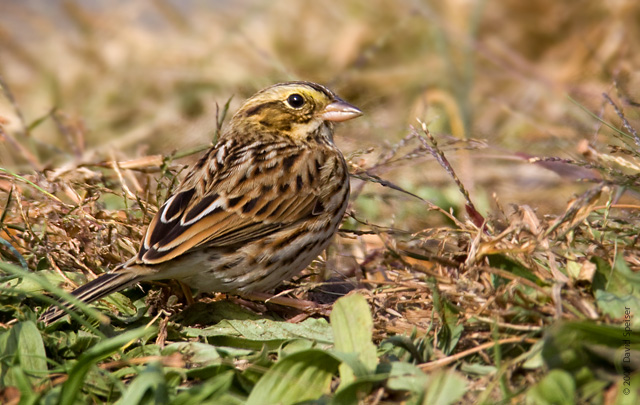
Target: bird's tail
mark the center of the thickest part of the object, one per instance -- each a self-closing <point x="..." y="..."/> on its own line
<point x="102" y="286"/>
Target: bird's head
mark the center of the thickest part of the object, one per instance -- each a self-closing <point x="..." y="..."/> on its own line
<point x="294" y="109"/>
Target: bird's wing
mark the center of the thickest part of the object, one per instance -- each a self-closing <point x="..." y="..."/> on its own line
<point x="234" y="198"/>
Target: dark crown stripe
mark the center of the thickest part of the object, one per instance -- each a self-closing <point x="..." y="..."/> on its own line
<point x="256" y="109"/>
<point x="315" y="86"/>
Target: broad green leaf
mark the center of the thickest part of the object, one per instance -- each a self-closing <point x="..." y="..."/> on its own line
<point x="444" y="387"/>
<point x="503" y="262"/>
<point x="591" y="392"/>
<point x="255" y="334"/>
<point x="573" y="345"/>
<point x="194" y="352"/>
<point x="22" y="382"/>
<point x="556" y="388"/>
<point x="352" y="361"/>
<point x="143" y="351"/>
<point x="619" y="280"/>
<point x="22" y="347"/>
<point x="127" y="311"/>
<point x="632" y="396"/>
<point x="261" y="330"/>
<point x="616" y="306"/>
<point x="302" y="376"/>
<point x="406" y="377"/>
<point x="353" y="332"/>
<point x="296" y="345"/>
<point x="233" y="346"/>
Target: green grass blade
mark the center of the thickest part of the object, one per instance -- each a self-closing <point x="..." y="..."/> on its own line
<point x="32" y="184"/>
<point x="17" y="271"/>
<point x="149" y="386"/>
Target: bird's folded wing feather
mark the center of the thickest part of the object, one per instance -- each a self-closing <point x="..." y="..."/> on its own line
<point x="233" y="210"/>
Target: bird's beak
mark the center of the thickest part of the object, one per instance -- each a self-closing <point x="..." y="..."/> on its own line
<point x="339" y="111"/>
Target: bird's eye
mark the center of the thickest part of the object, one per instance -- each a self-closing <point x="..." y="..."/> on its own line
<point x="295" y="100"/>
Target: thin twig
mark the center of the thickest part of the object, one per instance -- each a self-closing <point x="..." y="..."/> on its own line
<point x="432" y="365"/>
<point x="625" y="123"/>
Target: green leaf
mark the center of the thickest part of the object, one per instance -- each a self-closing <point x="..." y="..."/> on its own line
<point x="70" y="344"/>
<point x="352" y="361"/>
<point x="575" y="345"/>
<point x="632" y="395"/>
<point x="148" y="387"/>
<point x="35" y="123"/>
<point x="355" y="391"/>
<point x="212" y="389"/>
<point x="260" y="363"/>
<point x="211" y="313"/>
<point x="91" y="357"/>
<point x="556" y="388"/>
<point x="616" y="306"/>
<point x="451" y="332"/>
<point x="533" y="358"/>
<point x="22" y="382"/>
<point x="295" y="345"/>
<point x="573" y="269"/>
<point x="22" y="347"/>
<point x="478" y="369"/>
<point x="505" y="263"/>
<point x="28" y="275"/>
<point x="261" y="330"/>
<point x="194" y="352"/>
<point x="449" y="335"/>
<point x="406" y="377"/>
<point x="444" y="387"/>
<point x="619" y="280"/>
<point x="353" y="333"/>
<point x="302" y="376"/>
<point x="143" y="351"/>
<point x="255" y="334"/>
<point x="32" y="285"/>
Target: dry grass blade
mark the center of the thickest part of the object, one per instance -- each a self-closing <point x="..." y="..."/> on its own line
<point x="476" y="217"/>
<point x="625" y="123"/>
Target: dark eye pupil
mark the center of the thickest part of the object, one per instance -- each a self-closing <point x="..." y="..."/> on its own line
<point x="295" y="100"/>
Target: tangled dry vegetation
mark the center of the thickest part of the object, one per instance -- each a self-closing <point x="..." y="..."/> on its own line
<point x="475" y="293"/>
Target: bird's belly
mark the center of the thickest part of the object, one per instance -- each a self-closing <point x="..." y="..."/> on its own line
<point x="259" y="266"/>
